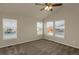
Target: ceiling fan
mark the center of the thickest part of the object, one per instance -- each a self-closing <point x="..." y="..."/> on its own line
<point x="48" y="6"/>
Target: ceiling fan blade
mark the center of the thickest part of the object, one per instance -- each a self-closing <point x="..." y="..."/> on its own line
<point x="47" y="4"/>
<point x="40" y="4"/>
<point x="41" y="9"/>
<point x="58" y="4"/>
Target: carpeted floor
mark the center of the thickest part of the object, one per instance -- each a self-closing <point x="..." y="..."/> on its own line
<point x="39" y="47"/>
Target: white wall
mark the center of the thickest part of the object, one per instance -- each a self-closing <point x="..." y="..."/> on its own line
<point x="26" y="29"/>
<point x="69" y="13"/>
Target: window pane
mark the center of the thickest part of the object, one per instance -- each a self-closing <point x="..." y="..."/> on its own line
<point x="9" y="28"/>
<point x="39" y="28"/>
<point x="49" y="28"/>
<point x="59" y="28"/>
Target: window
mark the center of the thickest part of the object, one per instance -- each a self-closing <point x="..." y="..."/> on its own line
<point x="9" y="28"/>
<point x="49" y="26"/>
<point x="59" y="28"/>
<point x="39" y="28"/>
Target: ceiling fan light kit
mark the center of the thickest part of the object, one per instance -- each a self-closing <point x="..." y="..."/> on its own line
<point x="48" y="8"/>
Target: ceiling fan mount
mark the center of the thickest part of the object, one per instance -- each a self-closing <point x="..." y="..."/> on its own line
<point x="48" y="6"/>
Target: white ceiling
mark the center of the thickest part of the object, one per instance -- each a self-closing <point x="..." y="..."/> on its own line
<point x="29" y="9"/>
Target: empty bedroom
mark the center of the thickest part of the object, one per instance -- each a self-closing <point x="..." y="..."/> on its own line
<point x="39" y="29"/>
